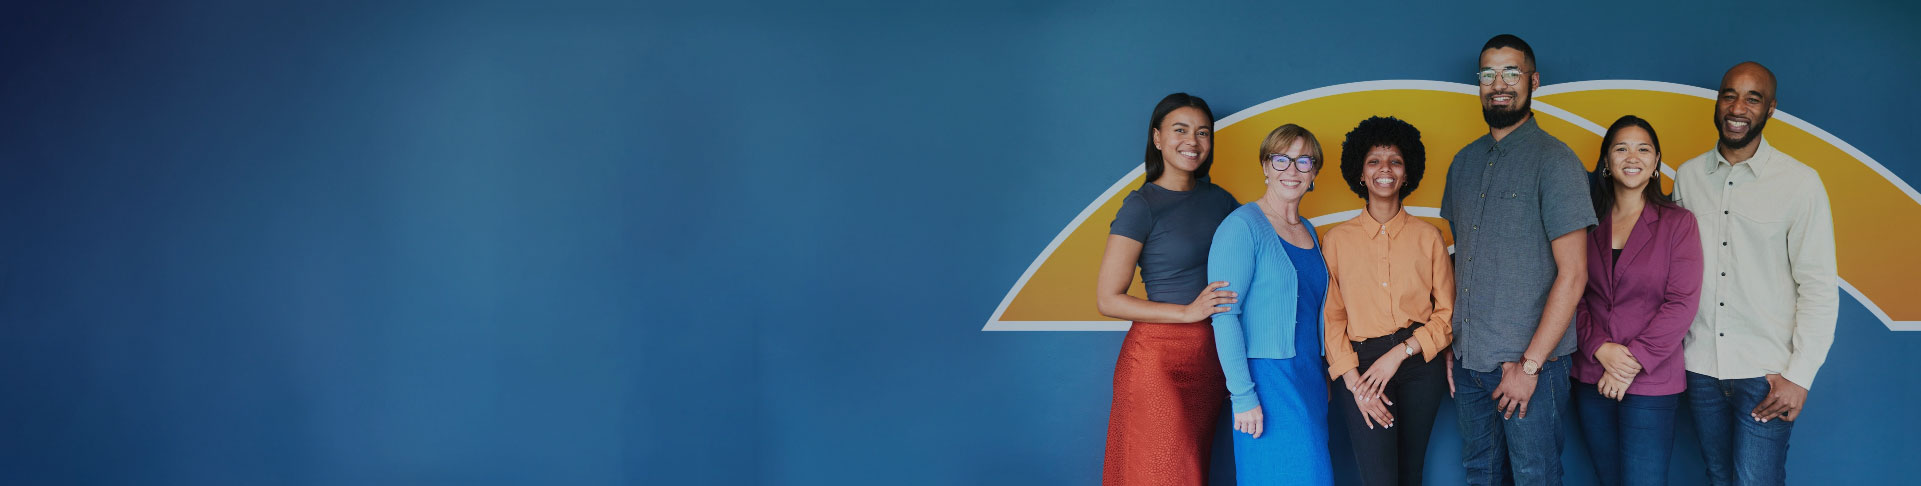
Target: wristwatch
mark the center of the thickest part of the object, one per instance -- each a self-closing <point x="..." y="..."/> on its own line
<point x="1407" y="350"/>
<point x="1530" y="367"/>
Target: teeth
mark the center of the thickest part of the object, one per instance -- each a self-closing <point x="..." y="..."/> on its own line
<point x="1737" y="124"/>
<point x="1630" y="171"/>
<point x="1291" y="183"/>
<point x="1384" y="181"/>
<point x="1191" y="154"/>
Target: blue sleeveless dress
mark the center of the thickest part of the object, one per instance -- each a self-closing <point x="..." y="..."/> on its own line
<point x="1293" y="394"/>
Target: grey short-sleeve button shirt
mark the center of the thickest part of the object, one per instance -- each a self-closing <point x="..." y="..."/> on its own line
<point x="1505" y="202"/>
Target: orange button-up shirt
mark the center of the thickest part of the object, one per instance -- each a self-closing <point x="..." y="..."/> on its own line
<point x="1384" y="278"/>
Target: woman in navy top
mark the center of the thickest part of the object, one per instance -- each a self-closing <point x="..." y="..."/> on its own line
<point x="1167" y="383"/>
<point x="1270" y="342"/>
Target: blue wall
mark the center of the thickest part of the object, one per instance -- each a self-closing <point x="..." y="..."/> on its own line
<point x="697" y="242"/>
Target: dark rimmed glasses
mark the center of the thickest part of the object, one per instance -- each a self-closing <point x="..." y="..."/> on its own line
<point x="1280" y="162"/>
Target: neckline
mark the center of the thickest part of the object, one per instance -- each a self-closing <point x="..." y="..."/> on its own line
<point x="1305" y="224"/>
<point x="1199" y="183"/>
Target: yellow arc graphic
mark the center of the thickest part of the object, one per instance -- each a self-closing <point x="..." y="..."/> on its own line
<point x="1056" y="293"/>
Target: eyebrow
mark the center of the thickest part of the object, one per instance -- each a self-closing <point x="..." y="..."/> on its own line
<point x="1517" y="68"/>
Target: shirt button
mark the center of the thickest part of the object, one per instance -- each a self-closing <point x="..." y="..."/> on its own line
<point x="1383" y="284"/>
<point x="1478" y="227"/>
<point x="1724" y="212"/>
<point x="1724" y="334"/>
<point x="1483" y="194"/>
<point x="1724" y="274"/>
<point x="1730" y="183"/>
<point x="1724" y="304"/>
<point x="1724" y="243"/>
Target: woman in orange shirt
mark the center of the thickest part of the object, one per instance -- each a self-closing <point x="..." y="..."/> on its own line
<point x="1388" y="304"/>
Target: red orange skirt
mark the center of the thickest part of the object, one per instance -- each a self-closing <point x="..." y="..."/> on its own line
<point x="1168" y="392"/>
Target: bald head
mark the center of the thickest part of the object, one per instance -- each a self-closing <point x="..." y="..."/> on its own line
<point x="1750" y="75"/>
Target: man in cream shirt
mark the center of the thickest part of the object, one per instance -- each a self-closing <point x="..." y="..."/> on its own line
<point x="1769" y="299"/>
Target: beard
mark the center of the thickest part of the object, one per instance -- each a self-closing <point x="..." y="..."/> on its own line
<point x="1754" y="132"/>
<point x="1499" y="118"/>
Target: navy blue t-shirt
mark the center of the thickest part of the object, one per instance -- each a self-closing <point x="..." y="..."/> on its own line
<point x="1175" y="229"/>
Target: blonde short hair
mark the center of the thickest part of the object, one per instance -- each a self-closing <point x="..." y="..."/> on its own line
<point x="1284" y="136"/>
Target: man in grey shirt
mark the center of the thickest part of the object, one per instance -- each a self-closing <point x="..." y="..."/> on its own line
<point x="1517" y="202"/>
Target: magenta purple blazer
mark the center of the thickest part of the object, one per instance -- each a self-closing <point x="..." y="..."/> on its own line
<point x="1645" y="301"/>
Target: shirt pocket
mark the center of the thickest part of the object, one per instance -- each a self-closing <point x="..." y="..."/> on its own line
<point x="1751" y="225"/>
<point x="1513" y="199"/>
<point x="1514" y="210"/>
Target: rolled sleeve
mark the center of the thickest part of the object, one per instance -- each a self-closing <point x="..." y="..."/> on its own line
<point x="1340" y="358"/>
<point x="1565" y="205"/>
<point x="1437" y="333"/>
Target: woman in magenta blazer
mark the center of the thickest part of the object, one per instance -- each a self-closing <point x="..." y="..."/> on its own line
<point x="1644" y="284"/>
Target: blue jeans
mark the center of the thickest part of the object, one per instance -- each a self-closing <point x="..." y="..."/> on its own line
<point x="1629" y="440"/>
<point x="1737" y="449"/>
<point x="1498" y="451"/>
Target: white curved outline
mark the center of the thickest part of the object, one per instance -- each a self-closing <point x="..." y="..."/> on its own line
<point x="995" y="323"/>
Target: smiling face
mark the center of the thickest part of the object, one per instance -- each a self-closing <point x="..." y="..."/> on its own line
<point x="1746" y="103"/>
<point x="1290" y="184"/>
<point x="1632" y="159"/>
<point x="1385" y="172"/>
<point x="1185" y="137"/>
<point x="1505" y="103"/>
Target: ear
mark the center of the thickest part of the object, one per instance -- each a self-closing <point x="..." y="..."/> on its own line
<point x="1534" y="82"/>
<point x="1156" y="133"/>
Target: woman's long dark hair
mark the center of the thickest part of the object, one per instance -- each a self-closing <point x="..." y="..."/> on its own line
<point x="1174" y="102"/>
<point x="1601" y="189"/>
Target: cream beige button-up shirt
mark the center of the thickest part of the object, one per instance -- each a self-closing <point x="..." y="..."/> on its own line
<point x="1770" y="294"/>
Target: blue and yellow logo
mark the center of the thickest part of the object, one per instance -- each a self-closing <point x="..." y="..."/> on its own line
<point x="1056" y="292"/>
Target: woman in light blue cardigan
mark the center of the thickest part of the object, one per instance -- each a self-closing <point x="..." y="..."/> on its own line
<point x="1270" y="341"/>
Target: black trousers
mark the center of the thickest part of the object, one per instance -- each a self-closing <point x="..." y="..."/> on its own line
<point x="1394" y="456"/>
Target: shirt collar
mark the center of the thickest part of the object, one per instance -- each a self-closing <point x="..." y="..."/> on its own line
<point x="1392" y="226"/>
<point x="1520" y="135"/>
<point x="1760" y="163"/>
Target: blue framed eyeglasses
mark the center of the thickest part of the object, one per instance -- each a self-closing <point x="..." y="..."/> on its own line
<point x="1279" y="162"/>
